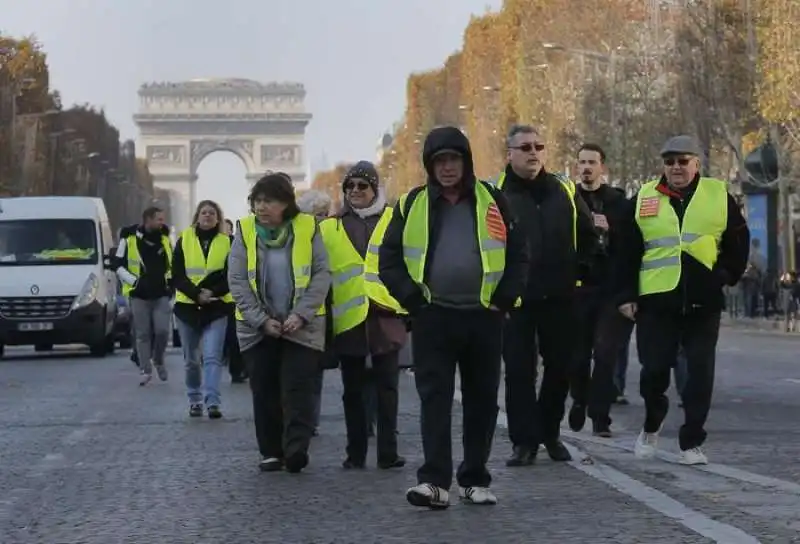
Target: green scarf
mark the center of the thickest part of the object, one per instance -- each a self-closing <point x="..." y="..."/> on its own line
<point x="273" y="236"/>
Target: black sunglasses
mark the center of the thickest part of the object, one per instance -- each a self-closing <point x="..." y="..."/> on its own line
<point x="671" y="161"/>
<point x="361" y="186"/>
<point x="527" y="148"/>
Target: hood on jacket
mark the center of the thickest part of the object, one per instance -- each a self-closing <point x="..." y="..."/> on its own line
<point x="447" y="139"/>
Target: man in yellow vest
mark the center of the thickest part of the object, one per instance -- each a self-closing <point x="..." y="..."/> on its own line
<point x="367" y="320"/>
<point x="562" y="240"/>
<point x="144" y="256"/>
<point x="684" y="239"/>
<point x="452" y="256"/>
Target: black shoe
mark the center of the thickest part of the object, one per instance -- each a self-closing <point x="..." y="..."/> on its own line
<point x="603" y="430"/>
<point x="296" y="462"/>
<point x="397" y="462"/>
<point x="238" y="379"/>
<point x="214" y="412"/>
<point x="270" y="464"/>
<point x="196" y="410"/>
<point x="577" y="417"/>
<point x="349" y="464"/>
<point x="521" y="457"/>
<point x="557" y="451"/>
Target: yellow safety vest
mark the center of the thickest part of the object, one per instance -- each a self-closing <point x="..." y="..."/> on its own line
<point x="416" y="239"/>
<point x="304" y="227"/>
<point x="355" y="280"/>
<point x="134" y="264"/>
<point x="197" y="265"/>
<point x="665" y="238"/>
<point x="571" y="190"/>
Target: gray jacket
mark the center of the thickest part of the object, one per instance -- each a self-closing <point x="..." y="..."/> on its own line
<point x="256" y="310"/>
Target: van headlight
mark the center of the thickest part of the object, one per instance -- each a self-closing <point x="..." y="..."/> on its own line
<point x="88" y="292"/>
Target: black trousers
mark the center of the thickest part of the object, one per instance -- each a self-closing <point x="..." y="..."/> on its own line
<point x="470" y="340"/>
<point x="282" y="380"/>
<point x="542" y="327"/>
<point x="385" y="374"/>
<point x="236" y="365"/>
<point x="658" y="337"/>
<point x="602" y="331"/>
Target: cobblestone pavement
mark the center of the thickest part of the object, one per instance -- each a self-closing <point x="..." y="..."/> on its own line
<point x="87" y="456"/>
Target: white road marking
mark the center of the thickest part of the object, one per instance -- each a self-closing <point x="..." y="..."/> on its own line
<point x="76" y="436"/>
<point x="792" y="380"/>
<point x="665" y="505"/>
<point x="712" y="468"/>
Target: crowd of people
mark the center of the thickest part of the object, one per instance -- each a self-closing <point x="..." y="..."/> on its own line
<point x="492" y="277"/>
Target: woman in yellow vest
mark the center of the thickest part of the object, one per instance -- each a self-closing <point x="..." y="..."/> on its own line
<point x="279" y="278"/>
<point x="367" y="321"/>
<point x="202" y="304"/>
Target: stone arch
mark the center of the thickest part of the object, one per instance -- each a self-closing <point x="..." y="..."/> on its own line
<point x="182" y="123"/>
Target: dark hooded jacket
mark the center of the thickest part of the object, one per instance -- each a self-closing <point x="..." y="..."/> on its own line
<point x="152" y="283"/>
<point x="393" y="271"/>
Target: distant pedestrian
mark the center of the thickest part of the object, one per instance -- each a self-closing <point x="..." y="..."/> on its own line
<point x="144" y="265"/>
<point x="203" y="304"/>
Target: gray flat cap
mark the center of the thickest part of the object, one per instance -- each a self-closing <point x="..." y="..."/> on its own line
<point x="681" y="145"/>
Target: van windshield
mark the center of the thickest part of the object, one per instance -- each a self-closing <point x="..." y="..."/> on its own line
<point x="48" y="241"/>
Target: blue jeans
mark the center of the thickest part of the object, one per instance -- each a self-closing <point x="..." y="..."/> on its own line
<point x="203" y="348"/>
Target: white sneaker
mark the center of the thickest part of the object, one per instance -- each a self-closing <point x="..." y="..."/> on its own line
<point x="477" y="495"/>
<point x="429" y="496"/>
<point x="693" y="456"/>
<point x="645" y="447"/>
<point x="144" y="379"/>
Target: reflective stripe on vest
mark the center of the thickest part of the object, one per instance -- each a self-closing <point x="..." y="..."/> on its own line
<point x="355" y="280"/>
<point x="571" y="190"/>
<point x="376" y="290"/>
<point x="304" y="227"/>
<point x="134" y="264"/>
<point x="665" y="238"/>
<point x="416" y="234"/>
<point x="197" y="265"/>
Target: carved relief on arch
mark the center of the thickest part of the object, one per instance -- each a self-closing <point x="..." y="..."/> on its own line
<point x="166" y="154"/>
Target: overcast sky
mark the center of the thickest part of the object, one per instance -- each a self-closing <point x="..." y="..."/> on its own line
<point x="352" y="55"/>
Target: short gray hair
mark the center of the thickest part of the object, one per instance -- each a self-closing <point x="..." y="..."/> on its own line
<point x="315" y="202"/>
<point x="520" y="129"/>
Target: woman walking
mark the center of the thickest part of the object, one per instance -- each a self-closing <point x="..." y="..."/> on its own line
<point x="367" y="320"/>
<point x="279" y="278"/>
<point x="202" y="305"/>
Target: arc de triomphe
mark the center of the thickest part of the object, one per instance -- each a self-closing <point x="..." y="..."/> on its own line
<point x="182" y="123"/>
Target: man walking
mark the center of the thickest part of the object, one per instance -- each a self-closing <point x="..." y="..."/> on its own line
<point x="561" y="238"/>
<point x="685" y="239"/>
<point x="452" y="256"/>
<point x="144" y="260"/>
<point x="602" y="331"/>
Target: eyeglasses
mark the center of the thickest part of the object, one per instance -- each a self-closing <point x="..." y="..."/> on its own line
<point x="671" y="161"/>
<point x="527" y="148"/>
<point x="361" y="186"/>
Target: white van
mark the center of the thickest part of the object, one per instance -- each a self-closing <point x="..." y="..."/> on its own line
<point x="56" y="282"/>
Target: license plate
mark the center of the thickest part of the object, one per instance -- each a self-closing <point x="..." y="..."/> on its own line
<point x="37" y="326"/>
